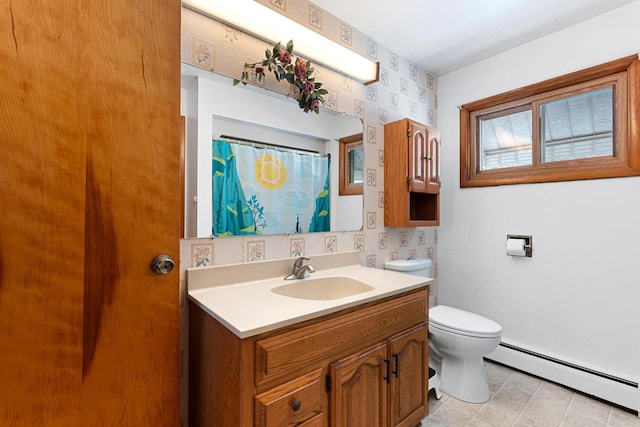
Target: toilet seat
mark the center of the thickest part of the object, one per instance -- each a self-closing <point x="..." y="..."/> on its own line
<point x="462" y="322"/>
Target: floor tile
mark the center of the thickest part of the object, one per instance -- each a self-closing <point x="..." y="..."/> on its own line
<point x="521" y="400"/>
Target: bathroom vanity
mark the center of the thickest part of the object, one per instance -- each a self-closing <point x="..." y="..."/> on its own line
<point x="355" y="360"/>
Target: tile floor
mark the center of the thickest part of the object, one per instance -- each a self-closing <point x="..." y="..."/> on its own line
<point x="520" y="400"/>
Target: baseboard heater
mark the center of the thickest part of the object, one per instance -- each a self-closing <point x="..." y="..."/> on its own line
<point x="570" y="365"/>
<point x="619" y="391"/>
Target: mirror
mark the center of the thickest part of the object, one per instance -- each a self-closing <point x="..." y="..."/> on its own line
<point x="249" y="117"/>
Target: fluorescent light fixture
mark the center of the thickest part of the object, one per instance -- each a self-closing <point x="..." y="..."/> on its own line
<point x="271" y="26"/>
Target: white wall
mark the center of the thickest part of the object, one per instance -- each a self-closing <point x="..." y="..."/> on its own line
<point x="577" y="298"/>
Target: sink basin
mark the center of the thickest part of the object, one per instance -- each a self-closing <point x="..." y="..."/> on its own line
<point x="322" y="288"/>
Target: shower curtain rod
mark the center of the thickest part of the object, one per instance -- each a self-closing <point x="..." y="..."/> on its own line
<point x="260" y="144"/>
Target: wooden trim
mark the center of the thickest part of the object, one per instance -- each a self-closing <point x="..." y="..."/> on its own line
<point x="622" y="75"/>
<point x="602" y="70"/>
<point x="279" y="355"/>
<point x="274" y="407"/>
<point x="183" y="131"/>
<point x="633" y="123"/>
<point x="377" y="78"/>
<point x="345" y="187"/>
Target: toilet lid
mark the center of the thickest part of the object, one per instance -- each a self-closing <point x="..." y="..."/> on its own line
<point x="461" y="321"/>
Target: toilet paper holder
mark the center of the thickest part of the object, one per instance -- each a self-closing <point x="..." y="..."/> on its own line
<point x="528" y="243"/>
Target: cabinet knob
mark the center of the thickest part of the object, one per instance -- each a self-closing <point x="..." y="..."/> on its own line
<point x="296" y="405"/>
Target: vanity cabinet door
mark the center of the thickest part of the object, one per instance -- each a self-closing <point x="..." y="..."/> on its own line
<point x="298" y="401"/>
<point x="408" y="388"/>
<point x="359" y="393"/>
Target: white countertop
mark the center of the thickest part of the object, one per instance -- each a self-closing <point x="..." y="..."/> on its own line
<point x="250" y="308"/>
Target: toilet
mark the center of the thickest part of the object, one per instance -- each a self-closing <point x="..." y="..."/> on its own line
<point x="458" y="340"/>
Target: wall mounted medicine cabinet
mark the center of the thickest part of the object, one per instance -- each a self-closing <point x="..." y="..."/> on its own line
<point x="411" y="174"/>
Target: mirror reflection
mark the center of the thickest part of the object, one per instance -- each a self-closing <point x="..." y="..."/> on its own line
<point x="255" y="164"/>
<point x="351" y="165"/>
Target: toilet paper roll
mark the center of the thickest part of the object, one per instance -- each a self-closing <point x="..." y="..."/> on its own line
<point x="515" y="247"/>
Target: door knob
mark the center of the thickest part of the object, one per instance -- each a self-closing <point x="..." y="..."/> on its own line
<point x="162" y="264"/>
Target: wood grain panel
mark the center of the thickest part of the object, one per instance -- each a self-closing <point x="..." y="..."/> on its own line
<point x="220" y="374"/>
<point x="317" y="421"/>
<point x="41" y="215"/>
<point x="408" y="388"/>
<point x="633" y="151"/>
<point x="131" y="100"/>
<point x="396" y="174"/>
<point x="90" y="137"/>
<point x="411" y="195"/>
<point x="359" y="398"/>
<point x="275" y="408"/>
<point x="278" y="355"/>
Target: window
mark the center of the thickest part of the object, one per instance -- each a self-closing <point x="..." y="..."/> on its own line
<point x="582" y="125"/>
<point x="351" y="165"/>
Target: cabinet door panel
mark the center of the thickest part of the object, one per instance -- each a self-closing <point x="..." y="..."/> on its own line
<point x="433" y="161"/>
<point x="359" y="395"/>
<point x="417" y="157"/>
<point x="408" y="387"/>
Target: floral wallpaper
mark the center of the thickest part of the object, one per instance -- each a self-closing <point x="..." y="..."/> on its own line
<point x="403" y="90"/>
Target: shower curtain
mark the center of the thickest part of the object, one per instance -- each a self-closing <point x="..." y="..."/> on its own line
<point x="267" y="191"/>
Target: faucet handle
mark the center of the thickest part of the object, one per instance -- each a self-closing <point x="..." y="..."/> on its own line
<point x="298" y="262"/>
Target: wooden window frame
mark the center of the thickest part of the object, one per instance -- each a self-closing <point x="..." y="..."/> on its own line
<point x="345" y="187"/>
<point x="622" y="74"/>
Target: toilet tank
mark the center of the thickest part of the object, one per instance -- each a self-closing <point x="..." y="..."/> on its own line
<point x="416" y="266"/>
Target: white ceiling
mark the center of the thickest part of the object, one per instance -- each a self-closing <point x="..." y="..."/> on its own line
<point x="442" y="35"/>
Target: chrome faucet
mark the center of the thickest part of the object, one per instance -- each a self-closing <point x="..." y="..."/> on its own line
<point x="300" y="271"/>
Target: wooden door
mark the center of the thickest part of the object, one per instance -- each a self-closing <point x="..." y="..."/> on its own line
<point x="408" y="399"/>
<point x="359" y="393"/>
<point x="417" y="157"/>
<point x="433" y="161"/>
<point x="89" y="194"/>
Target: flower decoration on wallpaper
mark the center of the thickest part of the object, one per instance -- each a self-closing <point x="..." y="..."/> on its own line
<point x="296" y="71"/>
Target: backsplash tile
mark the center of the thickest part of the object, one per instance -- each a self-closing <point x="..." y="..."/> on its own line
<point x="330" y="244"/>
<point x="296" y="248"/>
<point x="371" y="261"/>
<point x="201" y="254"/>
<point x="256" y="250"/>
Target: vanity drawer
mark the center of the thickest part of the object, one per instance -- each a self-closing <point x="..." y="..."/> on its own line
<point x="284" y="353"/>
<point x="289" y="404"/>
